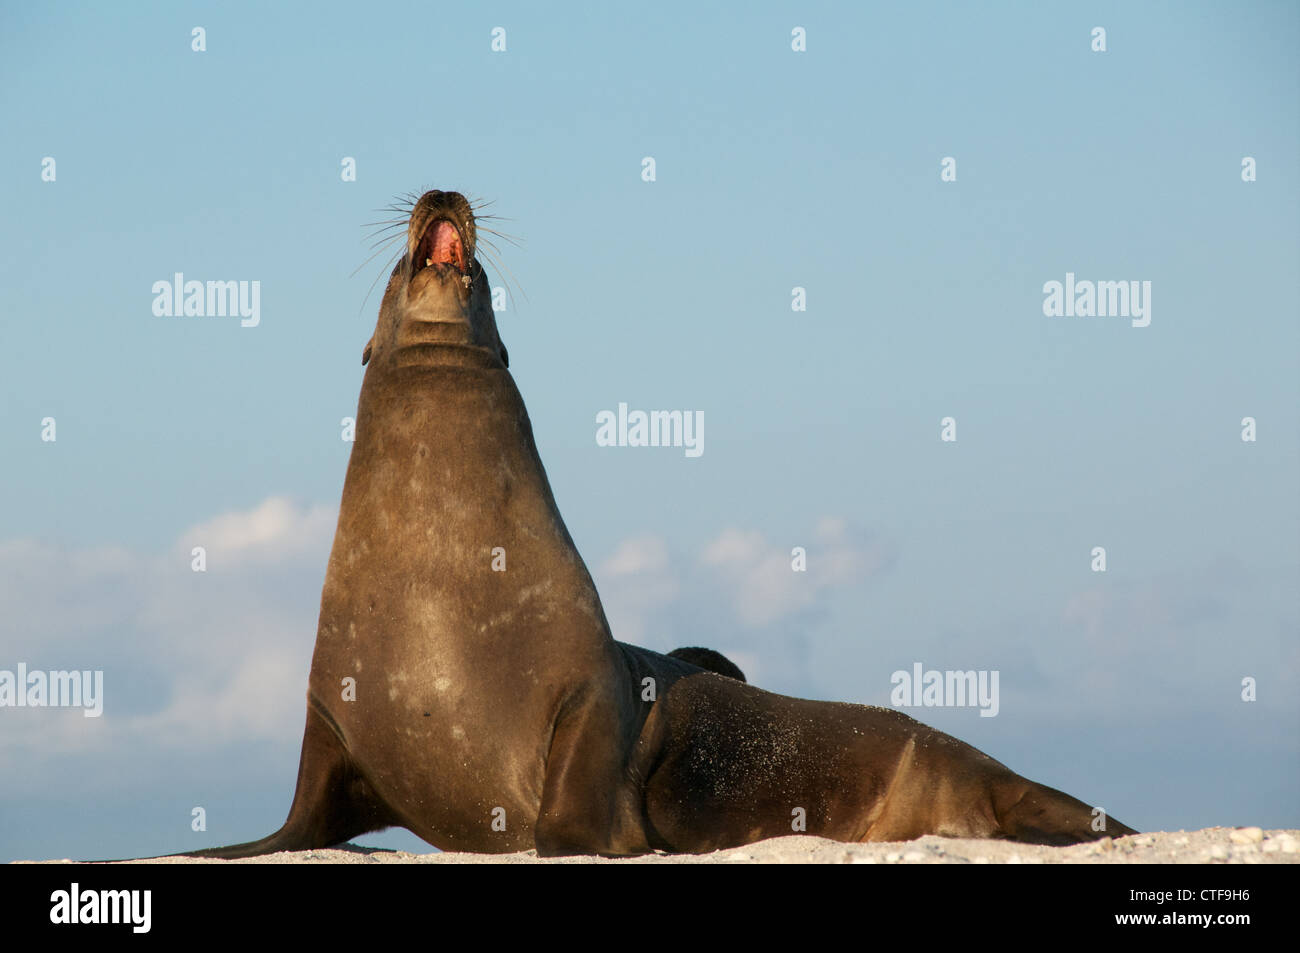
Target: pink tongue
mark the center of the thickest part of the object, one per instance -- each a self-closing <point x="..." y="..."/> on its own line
<point x="446" y="246"/>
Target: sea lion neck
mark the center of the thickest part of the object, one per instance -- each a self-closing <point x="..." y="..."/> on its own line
<point x="455" y="424"/>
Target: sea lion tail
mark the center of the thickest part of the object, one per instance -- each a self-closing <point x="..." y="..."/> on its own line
<point x="1043" y="815"/>
<point x="709" y="660"/>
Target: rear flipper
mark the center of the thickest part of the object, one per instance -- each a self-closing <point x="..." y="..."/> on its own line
<point x="331" y="804"/>
<point x="709" y="660"/>
<point x="1043" y="815"/>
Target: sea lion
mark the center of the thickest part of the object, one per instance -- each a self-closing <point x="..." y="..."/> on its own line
<point x="465" y="684"/>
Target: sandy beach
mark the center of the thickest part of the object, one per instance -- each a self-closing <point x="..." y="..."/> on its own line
<point x="1214" y="845"/>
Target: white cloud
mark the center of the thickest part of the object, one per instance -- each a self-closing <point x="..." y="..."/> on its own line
<point x="663" y="602"/>
<point x="640" y="554"/>
<point x="272" y="530"/>
<point x="201" y="659"/>
<point x="190" y="659"/>
<point x="760" y="578"/>
<point x="640" y="578"/>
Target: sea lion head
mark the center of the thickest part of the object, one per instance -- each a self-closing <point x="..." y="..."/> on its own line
<point x="437" y="308"/>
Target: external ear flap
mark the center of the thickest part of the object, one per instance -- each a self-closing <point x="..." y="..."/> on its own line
<point x="505" y="356"/>
<point x="365" y="355"/>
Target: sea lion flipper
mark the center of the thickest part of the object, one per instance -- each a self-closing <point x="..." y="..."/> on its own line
<point x="709" y="660"/>
<point x="331" y="804"/>
<point x="587" y="806"/>
<point x="1033" y="813"/>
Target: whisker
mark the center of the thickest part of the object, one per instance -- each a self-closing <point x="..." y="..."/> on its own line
<point x="504" y="236"/>
<point x="488" y="252"/>
<point x="380" y="237"/>
<point x="383" y="245"/>
<point x="368" y="261"/>
<point x="385" y="228"/>
<point x="371" y="289"/>
<point x="489" y="249"/>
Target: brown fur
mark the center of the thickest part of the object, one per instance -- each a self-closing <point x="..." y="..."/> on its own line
<point x="485" y="696"/>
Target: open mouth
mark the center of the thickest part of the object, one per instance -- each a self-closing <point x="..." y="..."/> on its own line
<point x="441" y="244"/>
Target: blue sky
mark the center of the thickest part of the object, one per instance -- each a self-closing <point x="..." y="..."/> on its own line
<point x="775" y="169"/>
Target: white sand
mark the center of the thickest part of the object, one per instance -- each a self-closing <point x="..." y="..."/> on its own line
<point x="1220" y="845"/>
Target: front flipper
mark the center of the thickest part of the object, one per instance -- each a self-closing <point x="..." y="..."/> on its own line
<point x="589" y="805"/>
<point x="332" y="803"/>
